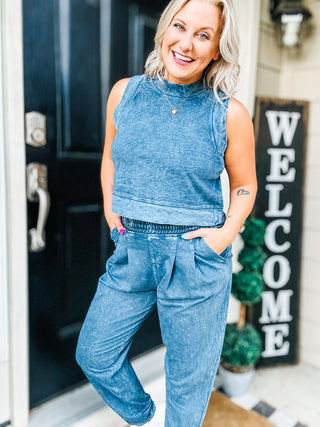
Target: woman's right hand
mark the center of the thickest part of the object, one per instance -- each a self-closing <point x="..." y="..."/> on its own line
<point x="114" y="221"/>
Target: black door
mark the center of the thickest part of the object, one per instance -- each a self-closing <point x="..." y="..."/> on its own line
<point x="74" y="50"/>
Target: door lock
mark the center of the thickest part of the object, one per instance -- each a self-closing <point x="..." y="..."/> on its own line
<point x="37" y="192"/>
<point x="35" y="124"/>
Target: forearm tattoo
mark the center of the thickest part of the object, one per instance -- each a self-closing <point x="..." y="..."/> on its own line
<point x="242" y="192"/>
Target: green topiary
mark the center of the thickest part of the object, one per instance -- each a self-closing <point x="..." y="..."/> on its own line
<point x="254" y="231"/>
<point x="247" y="286"/>
<point x="242" y="346"/>
<point x="252" y="257"/>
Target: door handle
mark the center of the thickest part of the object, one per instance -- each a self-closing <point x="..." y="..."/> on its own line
<point x="37" y="192"/>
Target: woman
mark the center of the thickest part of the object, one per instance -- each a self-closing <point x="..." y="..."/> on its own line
<point x="169" y="135"/>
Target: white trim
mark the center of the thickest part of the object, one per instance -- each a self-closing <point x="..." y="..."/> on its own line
<point x="105" y="55"/>
<point x="4" y="345"/>
<point x="4" y="386"/>
<point x="14" y="150"/>
<point x="248" y="18"/>
<point x="4" y="333"/>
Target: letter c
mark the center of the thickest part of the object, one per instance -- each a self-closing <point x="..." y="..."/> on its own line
<point x="270" y="239"/>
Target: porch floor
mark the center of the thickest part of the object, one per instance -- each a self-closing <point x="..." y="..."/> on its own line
<point x="286" y="394"/>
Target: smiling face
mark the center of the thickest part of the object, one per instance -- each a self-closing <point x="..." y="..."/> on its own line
<point x="191" y="41"/>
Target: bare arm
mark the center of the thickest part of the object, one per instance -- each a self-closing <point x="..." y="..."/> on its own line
<point x="107" y="166"/>
<point x="241" y="167"/>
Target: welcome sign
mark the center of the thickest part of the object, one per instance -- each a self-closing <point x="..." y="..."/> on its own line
<point x="280" y="131"/>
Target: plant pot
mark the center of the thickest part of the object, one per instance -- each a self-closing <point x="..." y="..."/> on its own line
<point x="236" y="383"/>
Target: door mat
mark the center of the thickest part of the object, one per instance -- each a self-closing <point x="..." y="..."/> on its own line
<point x="244" y="411"/>
<point x="222" y="412"/>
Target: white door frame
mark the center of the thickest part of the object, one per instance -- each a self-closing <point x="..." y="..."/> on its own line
<point x="248" y="19"/>
<point x="14" y="237"/>
<point x="4" y="335"/>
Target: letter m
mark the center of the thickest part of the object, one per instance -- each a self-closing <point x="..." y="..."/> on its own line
<point x="276" y="310"/>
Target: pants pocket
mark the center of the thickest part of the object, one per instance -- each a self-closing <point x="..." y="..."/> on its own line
<point x="210" y="267"/>
<point x="201" y="247"/>
<point x="115" y="234"/>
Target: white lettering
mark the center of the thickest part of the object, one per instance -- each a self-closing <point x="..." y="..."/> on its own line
<point x="282" y="123"/>
<point x="279" y="164"/>
<point x="274" y="337"/>
<point x="270" y="236"/>
<point x="284" y="271"/>
<point x="276" y="310"/>
<point x="274" y="202"/>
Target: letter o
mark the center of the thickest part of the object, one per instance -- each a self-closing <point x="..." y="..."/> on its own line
<point x="268" y="271"/>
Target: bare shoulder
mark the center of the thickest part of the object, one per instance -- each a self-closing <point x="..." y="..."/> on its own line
<point x="237" y="111"/>
<point x="238" y="117"/>
<point x="117" y="91"/>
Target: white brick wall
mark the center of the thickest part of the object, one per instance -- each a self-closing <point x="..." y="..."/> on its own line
<point x="295" y="75"/>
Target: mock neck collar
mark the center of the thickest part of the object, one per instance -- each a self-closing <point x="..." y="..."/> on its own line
<point x="177" y="89"/>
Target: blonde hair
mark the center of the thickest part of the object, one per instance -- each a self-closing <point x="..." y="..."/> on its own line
<point x="221" y="74"/>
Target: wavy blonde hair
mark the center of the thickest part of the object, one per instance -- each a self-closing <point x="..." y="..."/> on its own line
<point x="221" y="74"/>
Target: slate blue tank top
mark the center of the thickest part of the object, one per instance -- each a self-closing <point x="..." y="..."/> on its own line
<point x="167" y="168"/>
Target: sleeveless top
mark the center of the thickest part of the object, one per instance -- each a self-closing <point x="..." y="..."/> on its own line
<point x="167" y="168"/>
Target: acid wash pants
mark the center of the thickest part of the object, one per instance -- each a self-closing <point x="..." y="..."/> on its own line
<point x="153" y="266"/>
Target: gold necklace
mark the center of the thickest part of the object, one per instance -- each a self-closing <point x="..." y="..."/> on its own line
<point x="174" y="109"/>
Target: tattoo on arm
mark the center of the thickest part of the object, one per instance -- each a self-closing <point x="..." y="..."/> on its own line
<point x="242" y="192"/>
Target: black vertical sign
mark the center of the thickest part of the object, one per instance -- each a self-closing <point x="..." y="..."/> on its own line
<point x="280" y="131"/>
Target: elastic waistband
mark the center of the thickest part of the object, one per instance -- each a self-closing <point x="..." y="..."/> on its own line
<point x="153" y="228"/>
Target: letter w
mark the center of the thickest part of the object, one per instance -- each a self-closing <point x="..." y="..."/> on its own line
<point x="286" y="126"/>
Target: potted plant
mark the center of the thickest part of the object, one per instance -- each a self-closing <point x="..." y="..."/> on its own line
<point x="242" y="343"/>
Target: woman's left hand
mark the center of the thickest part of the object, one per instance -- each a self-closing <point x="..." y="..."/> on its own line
<point x="216" y="238"/>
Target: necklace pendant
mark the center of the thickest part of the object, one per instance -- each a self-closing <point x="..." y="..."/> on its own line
<point x="174" y="111"/>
